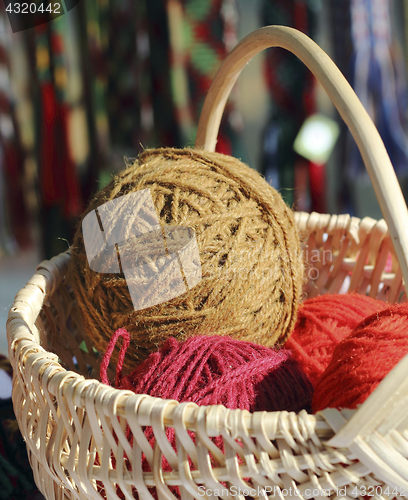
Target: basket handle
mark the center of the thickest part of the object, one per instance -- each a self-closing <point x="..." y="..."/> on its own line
<point x="368" y="139"/>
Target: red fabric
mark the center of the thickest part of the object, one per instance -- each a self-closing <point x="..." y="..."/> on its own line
<point x="318" y="188"/>
<point x="59" y="182"/>
<point x="363" y="359"/>
<point x="51" y="185"/>
<point x="224" y="145"/>
<point x="322" y="323"/>
<point x="13" y="175"/>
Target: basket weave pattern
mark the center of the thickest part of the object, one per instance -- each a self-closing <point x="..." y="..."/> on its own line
<point x="68" y="420"/>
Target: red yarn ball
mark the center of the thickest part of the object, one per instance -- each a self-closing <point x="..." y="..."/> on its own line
<point x="363" y="359"/>
<point x="211" y="370"/>
<point x="322" y="323"/>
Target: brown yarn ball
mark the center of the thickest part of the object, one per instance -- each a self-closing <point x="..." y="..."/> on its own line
<point x="252" y="269"/>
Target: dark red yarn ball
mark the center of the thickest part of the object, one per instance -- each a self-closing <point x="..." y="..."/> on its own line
<point x="322" y="323"/>
<point x="211" y="370"/>
<point x="363" y="359"/>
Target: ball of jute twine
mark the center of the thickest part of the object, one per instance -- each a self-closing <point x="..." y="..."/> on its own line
<point x="252" y="269"/>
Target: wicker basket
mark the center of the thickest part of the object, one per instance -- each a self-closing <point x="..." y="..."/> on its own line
<point x="73" y="425"/>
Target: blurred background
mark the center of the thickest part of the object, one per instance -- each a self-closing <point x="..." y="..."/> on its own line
<point x="96" y="85"/>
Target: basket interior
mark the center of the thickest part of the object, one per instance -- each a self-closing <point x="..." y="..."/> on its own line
<point x="342" y="254"/>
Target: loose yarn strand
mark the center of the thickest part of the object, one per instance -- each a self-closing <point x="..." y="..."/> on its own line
<point x="121" y="332"/>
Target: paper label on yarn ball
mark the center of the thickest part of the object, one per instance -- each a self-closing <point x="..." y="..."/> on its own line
<point x="317" y="138"/>
<point x="124" y="236"/>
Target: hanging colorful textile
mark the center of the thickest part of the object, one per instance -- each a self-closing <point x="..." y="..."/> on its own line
<point x="93" y="19"/>
<point x="340" y="30"/>
<point x="291" y="88"/>
<point x="167" y="132"/>
<point x="60" y="189"/>
<point x="202" y="32"/>
<point x="15" y="219"/>
<point x="146" y="134"/>
<point x="378" y="80"/>
<point x="123" y="99"/>
<point x="134" y="61"/>
<point x="22" y="85"/>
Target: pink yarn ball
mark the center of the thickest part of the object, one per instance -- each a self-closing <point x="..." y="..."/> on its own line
<point x="211" y="370"/>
